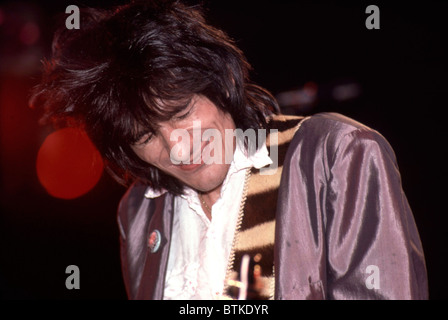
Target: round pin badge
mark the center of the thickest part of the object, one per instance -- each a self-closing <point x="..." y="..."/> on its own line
<point x="154" y="241"/>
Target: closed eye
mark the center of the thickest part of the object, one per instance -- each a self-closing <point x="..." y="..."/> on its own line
<point x="144" y="138"/>
<point x="184" y="115"/>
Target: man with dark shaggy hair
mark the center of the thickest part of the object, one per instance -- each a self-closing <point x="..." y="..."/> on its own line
<point x="317" y="206"/>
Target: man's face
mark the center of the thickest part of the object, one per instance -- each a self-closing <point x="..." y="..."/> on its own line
<point x="187" y="138"/>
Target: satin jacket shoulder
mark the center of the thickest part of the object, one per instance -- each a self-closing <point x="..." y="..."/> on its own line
<point x="344" y="227"/>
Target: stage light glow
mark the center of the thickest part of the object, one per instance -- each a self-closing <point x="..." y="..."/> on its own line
<point x="68" y="164"/>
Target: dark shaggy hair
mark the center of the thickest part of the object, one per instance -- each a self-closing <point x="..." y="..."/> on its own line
<point x="140" y="64"/>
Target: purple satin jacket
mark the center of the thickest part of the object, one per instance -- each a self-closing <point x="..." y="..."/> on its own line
<point x="344" y="228"/>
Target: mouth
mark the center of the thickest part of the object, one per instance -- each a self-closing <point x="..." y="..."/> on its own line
<point x="193" y="163"/>
<point x="190" y="167"/>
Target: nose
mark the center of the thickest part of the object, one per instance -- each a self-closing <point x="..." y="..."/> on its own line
<point x="177" y="144"/>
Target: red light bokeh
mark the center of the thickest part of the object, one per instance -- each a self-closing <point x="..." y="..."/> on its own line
<point x="68" y="164"/>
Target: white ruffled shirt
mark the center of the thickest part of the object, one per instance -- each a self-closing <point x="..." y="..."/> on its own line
<point x="200" y="248"/>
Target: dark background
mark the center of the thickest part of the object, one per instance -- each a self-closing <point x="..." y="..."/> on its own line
<point x="399" y="78"/>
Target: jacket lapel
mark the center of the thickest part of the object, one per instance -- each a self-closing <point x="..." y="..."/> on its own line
<point x="158" y="239"/>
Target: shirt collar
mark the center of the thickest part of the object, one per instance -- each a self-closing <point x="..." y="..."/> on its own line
<point x="150" y="193"/>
